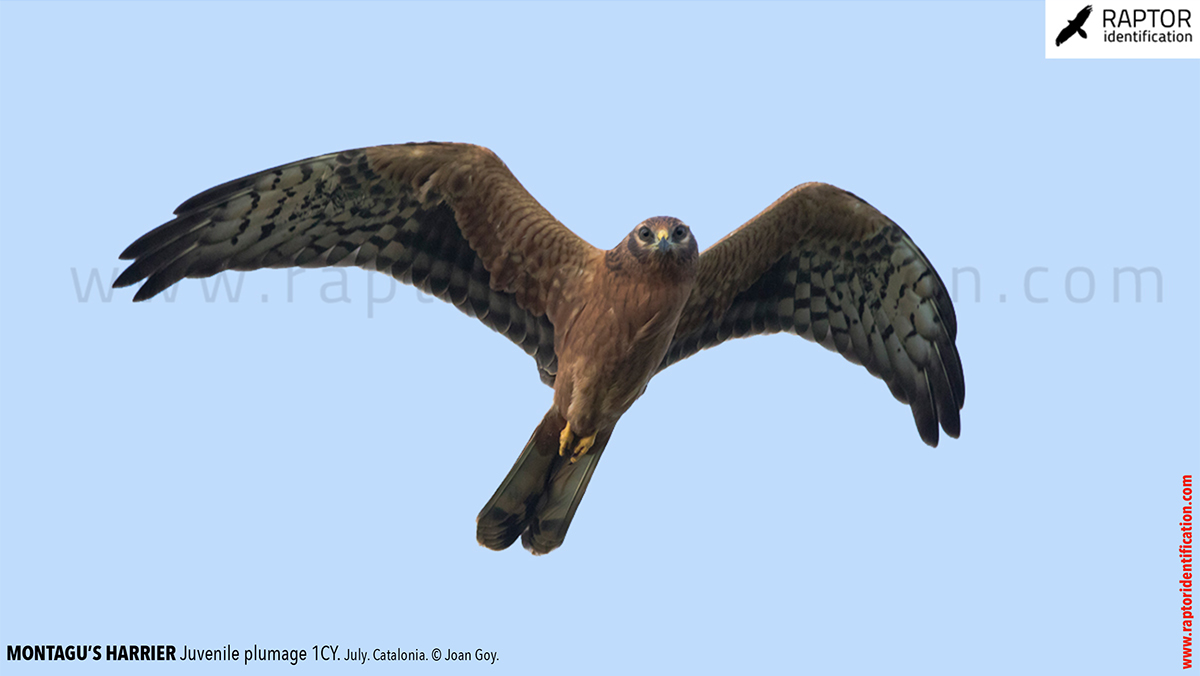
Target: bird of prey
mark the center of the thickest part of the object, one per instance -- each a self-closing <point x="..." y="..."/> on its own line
<point x="1075" y="26"/>
<point x="453" y="221"/>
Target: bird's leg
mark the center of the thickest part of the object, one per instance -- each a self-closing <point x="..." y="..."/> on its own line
<point x="579" y="445"/>
<point x="584" y="445"/>
<point x="565" y="439"/>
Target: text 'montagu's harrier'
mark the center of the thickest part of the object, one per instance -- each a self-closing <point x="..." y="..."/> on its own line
<point x="453" y="221"/>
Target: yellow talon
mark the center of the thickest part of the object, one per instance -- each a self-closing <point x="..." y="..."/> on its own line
<point x="564" y="439"/>
<point x="568" y="439"/>
<point x="584" y="445"/>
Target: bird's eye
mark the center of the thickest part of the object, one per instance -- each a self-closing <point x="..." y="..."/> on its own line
<point x="680" y="232"/>
<point x="645" y="233"/>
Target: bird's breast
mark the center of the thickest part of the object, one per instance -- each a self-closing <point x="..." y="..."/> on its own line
<point x="612" y="345"/>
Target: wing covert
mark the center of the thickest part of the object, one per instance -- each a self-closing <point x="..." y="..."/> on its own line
<point x="823" y="264"/>
<point x="448" y="218"/>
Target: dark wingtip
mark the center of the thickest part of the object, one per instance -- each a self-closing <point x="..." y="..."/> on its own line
<point x="927" y="423"/>
<point x="145" y="293"/>
<point x="952" y="425"/>
<point x="136" y="249"/>
<point x="218" y="193"/>
<point x="128" y="278"/>
<point x="930" y="438"/>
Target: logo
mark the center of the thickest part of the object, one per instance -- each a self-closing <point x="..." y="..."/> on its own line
<point x="1122" y="29"/>
<point x="1076" y="26"/>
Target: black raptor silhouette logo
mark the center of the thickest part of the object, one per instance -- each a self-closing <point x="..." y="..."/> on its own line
<point x="1076" y="26"/>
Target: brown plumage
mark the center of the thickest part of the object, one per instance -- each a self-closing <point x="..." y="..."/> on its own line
<point x="452" y="220"/>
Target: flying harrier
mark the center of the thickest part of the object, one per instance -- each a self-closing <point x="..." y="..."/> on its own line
<point x="1075" y="26"/>
<point x="453" y="221"/>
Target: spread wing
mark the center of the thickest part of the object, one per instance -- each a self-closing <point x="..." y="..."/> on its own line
<point x="448" y="218"/>
<point x="1082" y="16"/>
<point x="825" y="265"/>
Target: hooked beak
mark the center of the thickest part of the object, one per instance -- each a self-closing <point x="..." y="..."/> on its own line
<point x="663" y="240"/>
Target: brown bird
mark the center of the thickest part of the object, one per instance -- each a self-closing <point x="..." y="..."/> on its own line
<point x="452" y="220"/>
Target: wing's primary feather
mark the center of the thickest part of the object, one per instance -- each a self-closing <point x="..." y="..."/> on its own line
<point x="448" y="218"/>
<point x="825" y="265"/>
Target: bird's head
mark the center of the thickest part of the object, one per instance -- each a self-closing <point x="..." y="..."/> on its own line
<point x="662" y="238"/>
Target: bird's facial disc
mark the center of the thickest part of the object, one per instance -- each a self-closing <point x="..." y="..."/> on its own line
<point x="662" y="234"/>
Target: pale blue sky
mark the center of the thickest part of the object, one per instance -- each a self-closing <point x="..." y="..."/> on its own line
<point x="291" y="474"/>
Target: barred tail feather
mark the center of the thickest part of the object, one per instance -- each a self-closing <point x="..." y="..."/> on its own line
<point x="538" y="498"/>
<point x="568" y="481"/>
<point x="508" y="513"/>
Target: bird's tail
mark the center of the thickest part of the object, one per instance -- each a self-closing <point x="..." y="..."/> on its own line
<point x="1082" y="33"/>
<point x="538" y="498"/>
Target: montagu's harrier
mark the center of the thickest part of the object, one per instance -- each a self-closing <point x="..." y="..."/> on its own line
<point x="452" y="220"/>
